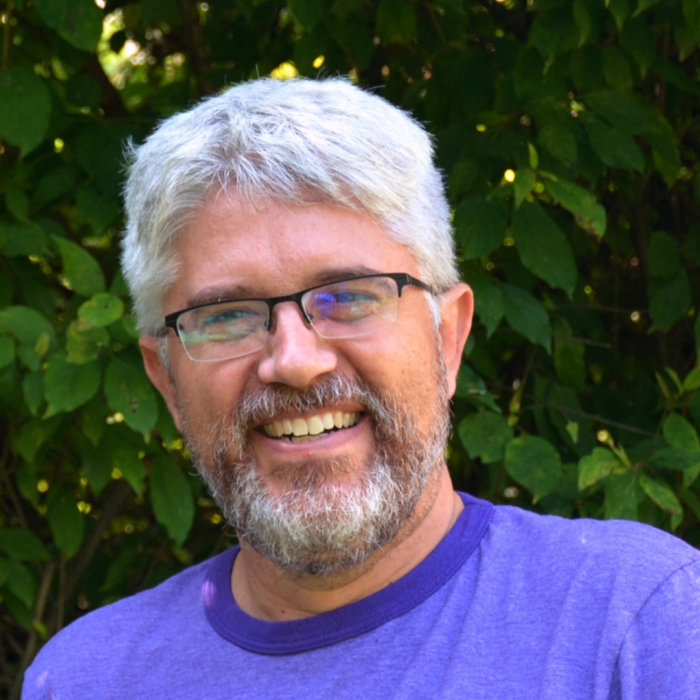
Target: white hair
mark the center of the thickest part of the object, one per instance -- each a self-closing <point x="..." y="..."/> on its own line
<point x="297" y="141"/>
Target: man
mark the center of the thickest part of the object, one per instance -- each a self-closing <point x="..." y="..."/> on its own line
<point x="290" y="259"/>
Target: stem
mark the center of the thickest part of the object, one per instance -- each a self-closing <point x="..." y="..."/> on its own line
<point x="115" y="502"/>
<point x="7" y="34"/>
<point x="31" y="648"/>
<point x="196" y="45"/>
<point x="5" y="476"/>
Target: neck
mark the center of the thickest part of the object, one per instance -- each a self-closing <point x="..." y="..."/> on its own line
<point x="267" y="592"/>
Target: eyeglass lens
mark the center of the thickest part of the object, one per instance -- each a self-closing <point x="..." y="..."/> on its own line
<point x="347" y="309"/>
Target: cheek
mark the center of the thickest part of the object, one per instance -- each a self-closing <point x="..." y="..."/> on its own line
<point x="208" y="391"/>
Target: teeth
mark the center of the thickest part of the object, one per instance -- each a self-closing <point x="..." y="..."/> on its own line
<point x="303" y="429"/>
<point x="315" y="425"/>
<point x="300" y="427"/>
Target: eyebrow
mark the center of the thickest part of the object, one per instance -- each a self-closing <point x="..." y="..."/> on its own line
<point x="213" y="295"/>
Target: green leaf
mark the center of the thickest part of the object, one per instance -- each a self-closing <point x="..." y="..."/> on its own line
<point x="643" y="5"/>
<point x="559" y="141"/>
<point x="93" y="420"/>
<point x="22" y="583"/>
<point x="692" y="380"/>
<point x="32" y="435"/>
<point x="80" y="268"/>
<point x="680" y="434"/>
<point x="79" y="22"/>
<point x="171" y="498"/>
<point x="488" y="302"/>
<point x="485" y="435"/>
<point x="662" y="494"/>
<point x="100" y="311"/>
<point x="596" y="466"/>
<point x="25" y="324"/>
<point x="68" y="386"/>
<point x="98" y="210"/>
<point x="614" y="148"/>
<point x="129" y="392"/>
<point x="620" y="110"/>
<point x="84" y="346"/>
<point x="66" y="523"/>
<point x="17" y="202"/>
<point x="543" y="247"/>
<point x="7" y="351"/>
<point x="527" y="316"/>
<point x="582" y="18"/>
<point x="97" y="462"/>
<point x="622" y="496"/>
<point x="480" y="226"/>
<point x="534" y="464"/>
<point x="22" y="545"/>
<point x="674" y="459"/>
<point x="637" y="39"/>
<point x="4" y="570"/>
<point x="569" y="362"/>
<point x="525" y="180"/>
<point x="16" y="241"/>
<point x="33" y="391"/>
<point x="120" y="569"/>
<point x="131" y="466"/>
<point x="396" y="21"/>
<point x="25" y="108"/>
<point x="83" y="91"/>
<point x="664" y="256"/>
<point x="620" y="10"/>
<point x="307" y="12"/>
<point x="553" y="33"/>
<point x="471" y="386"/>
<point x="669" y="300"/>
<point x="690" y="474"/>
<point x="589" y="214"/>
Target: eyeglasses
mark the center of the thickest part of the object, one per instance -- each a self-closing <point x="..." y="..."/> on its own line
<point x="347" y="308"/>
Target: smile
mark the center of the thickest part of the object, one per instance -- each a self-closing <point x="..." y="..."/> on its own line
<point x="310" y="427"/>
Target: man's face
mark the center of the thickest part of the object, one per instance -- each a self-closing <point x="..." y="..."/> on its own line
<point x="319" y="505"/>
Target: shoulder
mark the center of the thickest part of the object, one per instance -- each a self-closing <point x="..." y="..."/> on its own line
<point x="583" y="539"/>
<point x="605" y="562"/>
<point x="109" y="637"/>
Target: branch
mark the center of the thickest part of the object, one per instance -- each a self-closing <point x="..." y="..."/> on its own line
<point x="5" y="476"/>
<point x="114" y="501"/>
<point x="197" y="48"/>
<point x="7" y="35"/>
<point x="31" y="648"/>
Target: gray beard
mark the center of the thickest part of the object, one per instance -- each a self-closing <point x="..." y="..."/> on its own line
<point x="319" y="527"/>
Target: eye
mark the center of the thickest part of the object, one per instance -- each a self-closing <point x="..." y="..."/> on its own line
<point x="233" y="315"/>
<point x="343" y="303"/>
<point x="223" y="322"/>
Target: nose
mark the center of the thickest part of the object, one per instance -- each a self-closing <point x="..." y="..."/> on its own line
<point x="294" y="353"/>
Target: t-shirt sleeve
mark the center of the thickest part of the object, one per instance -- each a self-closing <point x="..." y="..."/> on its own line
<point x="660" y="654"/>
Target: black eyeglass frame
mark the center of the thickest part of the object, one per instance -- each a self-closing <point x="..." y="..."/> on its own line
<point x="402" y="280"/>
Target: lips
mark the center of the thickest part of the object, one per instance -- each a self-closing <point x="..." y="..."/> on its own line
<point x="311" y="427"/>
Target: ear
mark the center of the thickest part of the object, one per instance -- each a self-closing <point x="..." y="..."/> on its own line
<point x="158" y="374"/>
<point x="456" y="311"/>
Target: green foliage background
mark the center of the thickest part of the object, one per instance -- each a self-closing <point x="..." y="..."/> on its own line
<point x="568" y="134"/>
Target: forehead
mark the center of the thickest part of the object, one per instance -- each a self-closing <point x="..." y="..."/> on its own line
<point x="232" y="248"/>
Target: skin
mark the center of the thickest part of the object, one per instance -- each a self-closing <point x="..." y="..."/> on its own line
<point x="234" y="249"/>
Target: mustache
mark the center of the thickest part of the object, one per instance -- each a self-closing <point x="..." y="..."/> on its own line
<point x="263" y="403"/>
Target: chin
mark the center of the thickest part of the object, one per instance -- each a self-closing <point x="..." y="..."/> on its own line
<point x="317" y="521"/>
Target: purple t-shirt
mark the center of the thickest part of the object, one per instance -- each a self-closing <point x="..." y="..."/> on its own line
<point x="509" y="605"/>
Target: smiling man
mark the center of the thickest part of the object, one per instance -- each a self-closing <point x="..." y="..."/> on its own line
<point x="291" y="263"/>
